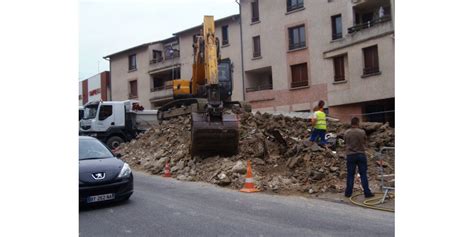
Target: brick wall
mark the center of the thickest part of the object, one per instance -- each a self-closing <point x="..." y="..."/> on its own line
<point x="346" y="112"/>
<point x="85" y="92"/>
<point x="275" y="98"/>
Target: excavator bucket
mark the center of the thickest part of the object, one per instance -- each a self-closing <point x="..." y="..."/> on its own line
<point x="214" y="137"/>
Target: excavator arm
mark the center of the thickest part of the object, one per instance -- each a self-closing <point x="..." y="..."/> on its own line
<point x="213" y="131"/>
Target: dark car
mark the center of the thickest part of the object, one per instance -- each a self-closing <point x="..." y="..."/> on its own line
<point x="102" y="176"/>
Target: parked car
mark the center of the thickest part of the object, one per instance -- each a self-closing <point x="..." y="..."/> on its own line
<point x="103" y="177"/>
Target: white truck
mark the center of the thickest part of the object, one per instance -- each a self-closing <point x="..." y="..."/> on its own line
<point x="115" y="122"/>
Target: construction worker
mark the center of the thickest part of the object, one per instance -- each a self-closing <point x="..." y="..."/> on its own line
<point x="318" y="122"/>
<point x="355" y="140"/>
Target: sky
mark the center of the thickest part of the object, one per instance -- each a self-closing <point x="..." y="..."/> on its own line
<point x="109" y="26"/>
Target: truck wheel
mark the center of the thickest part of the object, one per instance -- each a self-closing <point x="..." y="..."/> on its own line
<point x="114" y="142"/>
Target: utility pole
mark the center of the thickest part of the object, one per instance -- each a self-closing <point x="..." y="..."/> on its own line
<point x="172" y="63"/>
<point x="241" y="49"/>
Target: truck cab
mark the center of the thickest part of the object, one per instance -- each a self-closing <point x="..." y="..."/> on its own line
<point x="112" y="122"/>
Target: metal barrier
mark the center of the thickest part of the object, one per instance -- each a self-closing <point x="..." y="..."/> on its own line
<point x="383" y="188"/>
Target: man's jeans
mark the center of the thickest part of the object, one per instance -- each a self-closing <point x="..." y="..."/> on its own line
<point x="359" y="160"/>
<point x="319" y="136"/>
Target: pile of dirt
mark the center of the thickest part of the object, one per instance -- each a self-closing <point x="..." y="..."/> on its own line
<point x="282" y="158"/>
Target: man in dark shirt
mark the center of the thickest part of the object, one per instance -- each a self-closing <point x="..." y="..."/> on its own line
<point x="355" y="140"/>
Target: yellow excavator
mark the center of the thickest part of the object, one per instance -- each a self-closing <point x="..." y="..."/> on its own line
<point x="207" y="96"/>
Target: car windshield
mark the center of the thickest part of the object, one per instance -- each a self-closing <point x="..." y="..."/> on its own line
<point x="93" y="149"/>
<point x="90" y="111"/>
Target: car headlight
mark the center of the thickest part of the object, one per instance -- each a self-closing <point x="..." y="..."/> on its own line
<point x="125" y="172"/>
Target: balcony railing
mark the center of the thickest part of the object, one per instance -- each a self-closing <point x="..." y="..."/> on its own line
<point x="160" y="88"/>
<point x="339" y="78"/>
<point x="295" y="84"/>
<point x="298" y="45"/>
<point x="257" y="54"/>
<point x="292" y="7"/>
<point x="371" y="70"/>
<point x="173" y="55"/>
<point x="259" y="88"/>
<point x="337" y="35"/>
<point x="156" y="60"/>
<point x="369" y="24"/>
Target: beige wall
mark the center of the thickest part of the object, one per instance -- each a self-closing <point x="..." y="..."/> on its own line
<point x="357" y="88"/>
<point x="277" y="59"/>
<point x="120" y="76"/>
<point x="316" y="16"/>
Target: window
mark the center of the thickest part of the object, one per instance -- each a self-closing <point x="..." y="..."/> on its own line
<point x="339" y="68"/>
<point x="132" y="62"/>
<point x="225" y="35"/>
<point x="255" y="14"/>
<point x="157" y="56"/>
<point x="105" y="112"/>
<point x="336" y="27"/>
<point x="296" y="37"/>
<point x="81" y="114"/>
<point x="256" y="47"/>
<point x="158" y="84"/>
<point x="294" y="4"/>
<point x="133" y="89"/>
<point x="299" y="75"/>
<point x="371" y="60"/>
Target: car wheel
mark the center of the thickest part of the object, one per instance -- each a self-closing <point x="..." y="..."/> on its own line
<point x="114" y="142"/>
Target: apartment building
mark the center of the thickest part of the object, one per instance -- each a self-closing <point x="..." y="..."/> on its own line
<point x="145" y="72"/>
<point x="297" y="52"/>
<point x="95" y="88"/>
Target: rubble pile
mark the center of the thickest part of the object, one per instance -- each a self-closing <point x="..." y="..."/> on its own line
<point x="283" y="159"/>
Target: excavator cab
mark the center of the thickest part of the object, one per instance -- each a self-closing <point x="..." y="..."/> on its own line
<point x="225" y="79"/>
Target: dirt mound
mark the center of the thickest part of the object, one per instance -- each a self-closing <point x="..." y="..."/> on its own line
<point x="282" y="158"/>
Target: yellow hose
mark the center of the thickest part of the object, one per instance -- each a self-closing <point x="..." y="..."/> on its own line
<point x="370" y="203"/>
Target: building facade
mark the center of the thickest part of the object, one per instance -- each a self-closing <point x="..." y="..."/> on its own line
<point x="95" y="88"/>
<point x="295" y="53"/>
<point x="298" y="52"/>
<point x="145" y="72"/>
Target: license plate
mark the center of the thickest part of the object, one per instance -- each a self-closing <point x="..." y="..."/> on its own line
<point x="100" y="198"/>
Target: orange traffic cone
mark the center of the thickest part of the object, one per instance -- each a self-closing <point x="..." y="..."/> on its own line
<point x="167" y="170"/>
<point x="249" y="185"/>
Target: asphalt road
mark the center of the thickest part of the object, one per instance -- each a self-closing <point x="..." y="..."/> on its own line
<point x="168" y="207"/>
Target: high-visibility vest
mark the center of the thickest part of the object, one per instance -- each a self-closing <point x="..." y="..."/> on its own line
<point x="320" y="120"/>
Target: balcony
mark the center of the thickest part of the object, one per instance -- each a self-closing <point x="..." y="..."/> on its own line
<point x="369" y="24"/>
<point x="162" y="93"/>
<point x="259" y="88"/>
<point x="156" y="60"/>
<point x="170" y="56"/>
<point x="259" y="79"/>
<point x="167" y="86"/>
